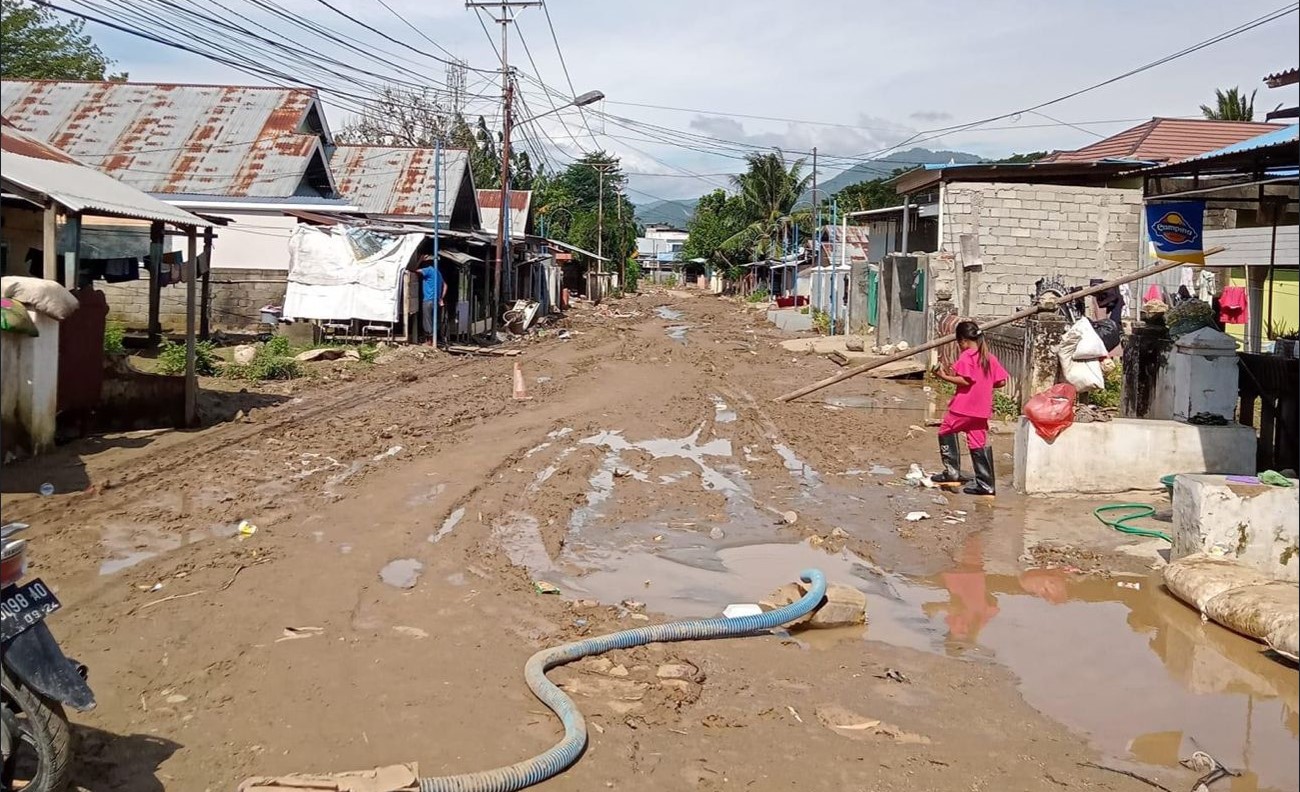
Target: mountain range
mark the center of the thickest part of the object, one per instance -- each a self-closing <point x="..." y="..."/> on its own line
<point x="677" y="212"/>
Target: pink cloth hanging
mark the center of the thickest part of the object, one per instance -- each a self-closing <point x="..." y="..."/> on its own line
<point x="1234" y="306"/>
<point x="1153" y="293"/>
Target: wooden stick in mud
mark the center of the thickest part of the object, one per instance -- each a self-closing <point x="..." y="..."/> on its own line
<point x="1015" y="317"/>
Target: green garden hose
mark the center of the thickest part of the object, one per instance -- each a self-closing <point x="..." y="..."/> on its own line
<point x="1138" y="511"/>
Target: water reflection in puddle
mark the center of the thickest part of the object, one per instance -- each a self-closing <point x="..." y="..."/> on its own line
<point x="668" y="314"/>
<point x="1134" y="670"/>
<point x="126" y="545"/>
<point x="401" y="573"/>
<point x="448" y="525"/>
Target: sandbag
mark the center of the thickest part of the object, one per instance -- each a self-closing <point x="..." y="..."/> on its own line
<point x="1198" y="578"/>
<point x="1052" y="411"/>
<point x="42" y="295"/>
<point x="1090" y="346"/>
<point x="15" y="319"/>
<point x="1267" y="612"/>
<point x="1240" y="598"/>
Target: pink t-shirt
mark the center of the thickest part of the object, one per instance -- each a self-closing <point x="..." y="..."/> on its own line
<point x="976" y="399"/>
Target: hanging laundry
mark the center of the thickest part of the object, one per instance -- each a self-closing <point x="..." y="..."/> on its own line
<point x="1233" y="306"/>
<point x="1153" y="294"/>
<point x="120" y="270"/>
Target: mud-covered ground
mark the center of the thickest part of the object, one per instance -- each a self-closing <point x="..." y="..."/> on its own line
<point x="384" y="608"/>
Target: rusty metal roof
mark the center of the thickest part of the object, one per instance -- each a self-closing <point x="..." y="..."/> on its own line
<point x="35" y="170"/>
<point x="1288" y="77"/>
<point x="398" y="181"/>
<point x="1165" y="140"/>
<point x="858" y="239"/>
<point x="218" y="140"/>
<point x="489" y="207"/>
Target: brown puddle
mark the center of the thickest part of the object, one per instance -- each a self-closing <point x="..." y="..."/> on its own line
<point x="1133" y="670"/>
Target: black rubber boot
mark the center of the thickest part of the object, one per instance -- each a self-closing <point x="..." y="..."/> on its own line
<point x="950" y="455"/>
<point x="984" y="483"/>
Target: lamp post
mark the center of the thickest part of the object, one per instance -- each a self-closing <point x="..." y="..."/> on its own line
<point x="590" y="97"/>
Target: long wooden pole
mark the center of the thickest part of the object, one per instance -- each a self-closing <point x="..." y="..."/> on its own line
<point x="1015" y="317"/>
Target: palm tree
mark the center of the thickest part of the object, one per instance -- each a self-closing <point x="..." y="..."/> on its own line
<point x="1231" y="105"/>
<point x="769" y="190"/>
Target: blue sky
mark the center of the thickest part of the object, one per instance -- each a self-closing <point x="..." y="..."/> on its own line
<point x="881" y="72"/>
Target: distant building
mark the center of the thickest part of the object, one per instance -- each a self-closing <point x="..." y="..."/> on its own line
<point x="659" y="252"/>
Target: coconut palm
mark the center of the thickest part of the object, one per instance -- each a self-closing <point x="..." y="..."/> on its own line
<point x="769" y="190"/>
<point x="1231" y="105"/>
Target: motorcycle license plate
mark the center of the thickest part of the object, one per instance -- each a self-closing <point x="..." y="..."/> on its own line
<point x="23" y="606"/>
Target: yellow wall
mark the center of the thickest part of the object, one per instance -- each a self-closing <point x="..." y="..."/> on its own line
<point x="1286" y="308"/>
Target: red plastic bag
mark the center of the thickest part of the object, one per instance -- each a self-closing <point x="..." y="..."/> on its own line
<point x="1052" y="411"/>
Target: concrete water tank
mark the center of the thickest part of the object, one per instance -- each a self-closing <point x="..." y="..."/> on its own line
<point x="1205" y="374"/>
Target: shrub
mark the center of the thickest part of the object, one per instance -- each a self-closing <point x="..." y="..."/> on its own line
<point x="821" y="322"/>
<point x="277" y="346"/>
<point x="171" y="359"/>
<point x="271" y="362"/>
<point x="114" y="338"/>
<point x="1110" y="396"/>
<point x="759" y="296"/>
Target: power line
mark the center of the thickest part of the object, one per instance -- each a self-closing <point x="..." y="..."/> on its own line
<point x="1220" y="37"/>
<point x="419" y="32"/>
<point x="399" y="42"/>
<point x="560" y="52"/>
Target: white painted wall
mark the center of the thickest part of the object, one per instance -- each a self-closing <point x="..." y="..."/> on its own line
<point x="255" y="240"/>
<point x="29" y="381"/>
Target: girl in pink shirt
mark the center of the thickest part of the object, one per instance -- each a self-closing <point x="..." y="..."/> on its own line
<point x="976" y="373"/>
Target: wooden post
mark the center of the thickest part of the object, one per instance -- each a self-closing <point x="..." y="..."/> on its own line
<point x="155" y="285"/>
<point x="191" y="347"/>
<point x="938" y="342"/>
<point x="205" y="297"/>
<point x="50" y="242"/>
<point x="69" y="275"/>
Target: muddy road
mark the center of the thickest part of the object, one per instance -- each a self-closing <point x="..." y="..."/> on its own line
<point x="384" y="608"/>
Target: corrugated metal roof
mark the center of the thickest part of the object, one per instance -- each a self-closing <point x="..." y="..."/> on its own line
<point x="1288" y="77"/>
<point x="34" y="167"/>
<point x="489" y="209"/>
<point x="239" y="141"/>
<point x="858" y="243"/>
<point x="391" y="180"/>
<point x="1289" y="134"/>
<point x="15" y="141"/>
<point x="1164" y="140"/>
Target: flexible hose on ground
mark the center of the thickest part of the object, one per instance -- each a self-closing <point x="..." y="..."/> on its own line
<point x="1139" y="511"/>
<point x="567" y="750"/>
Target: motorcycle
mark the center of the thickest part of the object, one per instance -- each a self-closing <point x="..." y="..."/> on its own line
<point x="36" y="679"/>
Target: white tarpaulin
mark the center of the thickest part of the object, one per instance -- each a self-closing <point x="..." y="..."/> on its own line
<point x="332" y="277"/>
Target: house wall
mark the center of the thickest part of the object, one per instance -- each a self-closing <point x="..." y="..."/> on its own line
<point x="237" y="296"/>
<point x="253" y="241"/>
<point x="29" y="380"/>
<point x="1030" y="231"/>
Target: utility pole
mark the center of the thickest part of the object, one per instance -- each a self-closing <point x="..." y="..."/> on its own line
<point x="504" y="9"/>
<point x="600" y="210"/>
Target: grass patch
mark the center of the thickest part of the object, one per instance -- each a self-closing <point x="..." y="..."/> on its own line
<point x="114" y="338"/>
<point x="171" y="359"/>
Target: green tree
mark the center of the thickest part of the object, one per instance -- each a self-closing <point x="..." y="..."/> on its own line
<point x="37" y="45"/>
<point x="718" y="219"/>
<point x="1032" y="156"/>
<point x="1231" y="105"/>
<point x="769" y="189"/>
<point x="870" y="194"/>
<point x="570" y="201"/>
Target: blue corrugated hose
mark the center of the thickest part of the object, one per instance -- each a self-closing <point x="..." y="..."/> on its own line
<point x="567" y="750"/>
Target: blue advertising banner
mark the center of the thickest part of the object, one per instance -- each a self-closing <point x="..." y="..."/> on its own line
<point x="1177" y="230"/>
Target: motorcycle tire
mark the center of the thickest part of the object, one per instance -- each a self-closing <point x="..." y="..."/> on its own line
<point x="49" y="732"/>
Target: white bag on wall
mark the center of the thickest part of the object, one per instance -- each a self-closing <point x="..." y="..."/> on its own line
<point x="1084" y="375"/>
<point x="1091" y="347"/>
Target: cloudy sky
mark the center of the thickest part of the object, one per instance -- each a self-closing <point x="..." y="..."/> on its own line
<point x="850" y="77"/>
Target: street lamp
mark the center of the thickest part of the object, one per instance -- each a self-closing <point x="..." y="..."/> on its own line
<point x="590" y="97"/>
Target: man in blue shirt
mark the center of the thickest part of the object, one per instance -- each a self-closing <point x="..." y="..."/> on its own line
<point x="435" y="290"/>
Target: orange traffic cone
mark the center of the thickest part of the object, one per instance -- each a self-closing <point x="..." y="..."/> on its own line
<point x="521" y="390"/>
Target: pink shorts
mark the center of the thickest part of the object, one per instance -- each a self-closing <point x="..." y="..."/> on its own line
<point x="976" y="429"/>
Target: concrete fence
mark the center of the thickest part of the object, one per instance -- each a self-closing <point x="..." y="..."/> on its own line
<point x="236" y="297"/>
